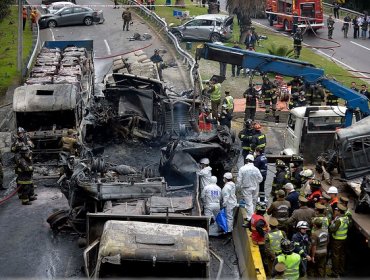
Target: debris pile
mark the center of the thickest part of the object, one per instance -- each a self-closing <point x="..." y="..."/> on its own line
<point x="136" y="63"/>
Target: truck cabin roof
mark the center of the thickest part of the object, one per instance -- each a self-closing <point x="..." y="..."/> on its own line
<point x="300" y="112"/>
<point x="41" y="98"/>
<point x="141" y="241"/>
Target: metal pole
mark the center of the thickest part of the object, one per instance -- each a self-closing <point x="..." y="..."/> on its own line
<point x="20" y="36"/>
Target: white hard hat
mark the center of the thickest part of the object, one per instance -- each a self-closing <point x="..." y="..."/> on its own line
<point x="228" y="175"/>
<point x="308" y="173"/>
<point x="288" y="186"/>
<point x="250" y="157"/>
<point x="332" y="190"/>
<point x="204" y="161"/>
<point x="303" y="224"/>
<point x="213" y="180"/>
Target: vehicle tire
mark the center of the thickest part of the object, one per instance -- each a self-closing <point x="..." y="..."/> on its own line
<point x="52" y="24"/>
<point x="286" y="26"/>
<point x="88" y="21"/>
<point x="178" y="36"/>
<point x="215" y="37"/>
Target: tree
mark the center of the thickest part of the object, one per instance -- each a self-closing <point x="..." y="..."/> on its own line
<point x="180" y="3"/>
<point x="282" y="51"/>
<point x="245" y="10"/>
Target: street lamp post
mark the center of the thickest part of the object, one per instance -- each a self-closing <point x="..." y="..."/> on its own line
<point x="20" y="36"/>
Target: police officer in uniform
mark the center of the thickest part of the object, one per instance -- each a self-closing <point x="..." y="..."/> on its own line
<point x="338" y="232"/>
<point x="251" y="96"/>
<point x="280" y="208"/>
<point x="304" y="213"/>
<point x="273" y="240"/>
<point x="269" y="96"/>
<point x="292" y="261"/>
<point x="321" y="216"/>
<point x="126" y="16"/>
<point x="319" y="249"/>
<point x="246" y="137"/>
<point x="24" y="171"/>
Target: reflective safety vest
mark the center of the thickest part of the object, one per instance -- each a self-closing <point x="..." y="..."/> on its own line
<point x="321" y="246"/>
<point x="216" y="93"/>
<point x="256" y="237"/>
<point x="332" y="202"/>
<point x="324" y="220"/>
<point x="291" y="262"/>
<point x="275" y="238"/>
<point x="341" y="233"/>
<point x="229" y="102"/>
<point x="315" y="194"/>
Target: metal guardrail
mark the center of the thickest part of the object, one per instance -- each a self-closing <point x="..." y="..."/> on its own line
<point x="36" y="49"/>
<point x="187" y="58"/>
<point x="344" y="9"/>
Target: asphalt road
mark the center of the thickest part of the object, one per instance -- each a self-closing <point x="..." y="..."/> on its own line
<point x="352" y="53"/>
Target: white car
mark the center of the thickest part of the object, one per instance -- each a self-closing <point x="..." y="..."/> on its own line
<point x="56" y="6"/>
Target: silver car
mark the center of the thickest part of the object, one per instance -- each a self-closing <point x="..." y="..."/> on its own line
<point x="71" y="16"/>
<point x="212" y="27"/>
<point x="56" y="6"/>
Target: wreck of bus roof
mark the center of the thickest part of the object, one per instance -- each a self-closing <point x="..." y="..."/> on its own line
<point x="39" y="98"/>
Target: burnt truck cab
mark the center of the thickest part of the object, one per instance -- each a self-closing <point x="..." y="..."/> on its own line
<point x="46" y="112"/>
<point x="353" y="149"/>
<point x="146" y="249"/>
<point x="310" y="130"/>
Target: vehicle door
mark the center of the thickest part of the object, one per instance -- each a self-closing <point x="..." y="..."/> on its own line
<point x="228" y="27"/>
<point x="79" y="14"/>
<point x="205" y="29"/>
<point x="293" y="134"/>
<point x="65" y="16"/>
<point x="190" y="29"/>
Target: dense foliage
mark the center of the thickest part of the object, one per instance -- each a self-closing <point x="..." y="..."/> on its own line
<point x="4" y="8"/>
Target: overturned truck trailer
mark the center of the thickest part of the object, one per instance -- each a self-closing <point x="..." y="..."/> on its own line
<point x="56" y="93"/>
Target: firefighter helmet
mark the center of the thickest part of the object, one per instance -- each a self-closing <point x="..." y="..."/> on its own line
<point x="286" y="246"/>
<point x="261" y="207"/>
<point x="302" y="225"/>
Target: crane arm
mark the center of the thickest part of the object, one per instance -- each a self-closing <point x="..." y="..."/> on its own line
<point x="265" y="63"/>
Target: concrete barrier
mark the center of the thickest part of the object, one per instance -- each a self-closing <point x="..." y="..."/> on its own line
<point x="249" y="257"/>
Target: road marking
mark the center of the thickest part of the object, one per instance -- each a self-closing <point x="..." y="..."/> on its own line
<point x="340" y="62"/>
<point x="107" y="46"/>
<point x="52" y="34"/>
<point x="357" y="44"/>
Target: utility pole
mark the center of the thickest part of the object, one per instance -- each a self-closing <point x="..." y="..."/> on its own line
<point x="20" y="36"/>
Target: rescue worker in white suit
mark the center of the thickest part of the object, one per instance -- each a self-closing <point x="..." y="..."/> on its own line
<point x="211" y="197"/>
<point x="249" y="178"/>
<point x="229" y="200"/>
<point x="205" y="173"/>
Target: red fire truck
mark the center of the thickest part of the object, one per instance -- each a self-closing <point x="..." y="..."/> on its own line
<point x="283" y="13"/>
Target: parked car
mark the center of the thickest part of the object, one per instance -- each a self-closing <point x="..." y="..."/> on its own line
<point x="212" y="27"/>
<point x="48" y="2"/>
<point x="54" y="7"/>
<point x="71" y="16"/>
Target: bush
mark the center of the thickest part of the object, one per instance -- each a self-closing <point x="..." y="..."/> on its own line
<point x="4" y="8"/>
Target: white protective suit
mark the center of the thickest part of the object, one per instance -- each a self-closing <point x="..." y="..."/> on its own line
<point x="249" y="178"/>
<point x="205" y="175"/>
<point x="211" y="197"/>
<point x="229" y="202"/>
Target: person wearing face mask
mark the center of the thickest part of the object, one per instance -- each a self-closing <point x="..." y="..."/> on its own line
<point x="229" y="201"/>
